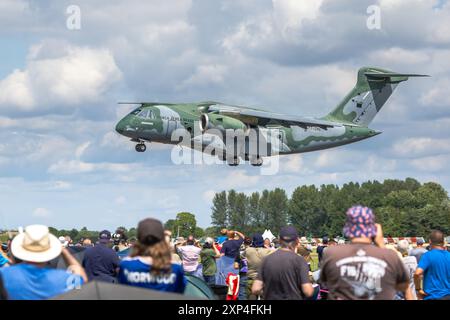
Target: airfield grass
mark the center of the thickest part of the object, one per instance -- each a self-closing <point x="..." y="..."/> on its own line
<point x="314" y="260"/>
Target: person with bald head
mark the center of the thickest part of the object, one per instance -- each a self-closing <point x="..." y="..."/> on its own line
<point x="434" y="268"/>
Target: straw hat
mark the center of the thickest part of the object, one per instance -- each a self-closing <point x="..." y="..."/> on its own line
<point x="36" y="244"/>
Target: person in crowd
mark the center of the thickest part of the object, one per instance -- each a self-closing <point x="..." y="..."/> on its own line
<point x="242" y="265"/>
<point x="174" y="255"/>
<point x="87" y="243"/>
<point x="434" y="267"/>
<point x="223" y="236"/>
<point x="321" y="247"/>
<point x="149" y="264"/>
<point x="5" y="261"/>
<point x="418" y="251"/>
<point x="361" y="270"/>
<point x="69" y="241"/>
<point x="32" y="279"/>
<point x="132" y="241"/>
<point x="208" y="257"/>
<point x="276" y="243"/>
<point x="230" y="248"/>
<point x="268" y="244"/>
<point x="190" y="255"/>
<point x="122" y="249"/>
<point x="283" y="275"/>
<point x="254" y="255"/>
<point x="410" y="263"/>
<point x="304" y="249"/>
<point x="63" y="241"/>
<point x="101" y="261"/>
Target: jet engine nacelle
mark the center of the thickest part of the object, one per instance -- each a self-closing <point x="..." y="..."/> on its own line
<point x="221" y="122"/>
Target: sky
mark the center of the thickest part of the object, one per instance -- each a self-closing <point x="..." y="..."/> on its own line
<point x="62" y="164"/>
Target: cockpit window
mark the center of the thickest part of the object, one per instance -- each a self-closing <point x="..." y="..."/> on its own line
<point x="136" y="111"/>
<point x="143" y="114"/>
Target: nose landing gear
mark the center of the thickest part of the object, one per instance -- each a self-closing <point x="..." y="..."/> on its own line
<point x="141" y="147"/>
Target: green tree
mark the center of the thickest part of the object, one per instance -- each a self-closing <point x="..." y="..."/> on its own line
<point x="171" y="225"/>
<point x="186" y="223"/>
<point x="219" y="210"/>
<point x="277" y="210"/>
<point x="254" y="214"/>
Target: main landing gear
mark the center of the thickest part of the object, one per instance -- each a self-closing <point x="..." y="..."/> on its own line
<point x="234" y="161"/>
<point x="141" y="147"/>
<point x="256" y="161"/>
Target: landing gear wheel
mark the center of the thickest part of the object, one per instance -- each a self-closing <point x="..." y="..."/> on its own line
<point x="233" y="162"/>
<point x="140" y="147"/>
<point x="256" y="161"/>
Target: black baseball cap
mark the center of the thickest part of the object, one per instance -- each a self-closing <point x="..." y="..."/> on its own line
<point x="104" y="236"/>
<point x="288" y="234"/>
<point x="150" y="229"/>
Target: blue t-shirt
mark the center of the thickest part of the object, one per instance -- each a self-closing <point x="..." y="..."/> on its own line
<point x="436" y="279"/>
<point x="3" y="260"/>
<point x="221" y="239"/>
<point x="230" y="248"/>
<point x="136" y="272"/>
<point x="28" y="282"/>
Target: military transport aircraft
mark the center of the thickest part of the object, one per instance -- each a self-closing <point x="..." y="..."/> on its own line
<point x="347" y="123"/>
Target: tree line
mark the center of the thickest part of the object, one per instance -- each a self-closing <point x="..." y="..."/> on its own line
<point x="403" y="207"/>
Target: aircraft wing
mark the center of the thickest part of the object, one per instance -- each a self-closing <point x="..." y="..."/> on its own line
<point x="260" y="117"/>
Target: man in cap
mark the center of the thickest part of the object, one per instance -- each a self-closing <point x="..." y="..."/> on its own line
<point x="283" y="275"/>
<point x="100" y="261"/>
<point x="361" y="270"/>
<point x="419" y="250"/>
<point x="32" y="279"/>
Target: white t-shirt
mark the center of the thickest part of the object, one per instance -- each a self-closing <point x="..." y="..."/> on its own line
<point x="410" y="263"/>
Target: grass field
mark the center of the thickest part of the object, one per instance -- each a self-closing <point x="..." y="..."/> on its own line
<point x="314" y="260"/>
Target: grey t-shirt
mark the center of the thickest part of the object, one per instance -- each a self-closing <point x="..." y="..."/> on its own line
<point x="283" y="272"/>
<point x="417" y="253"/>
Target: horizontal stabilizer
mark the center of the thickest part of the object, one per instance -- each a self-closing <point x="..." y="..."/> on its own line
<point x="393" y="74"/>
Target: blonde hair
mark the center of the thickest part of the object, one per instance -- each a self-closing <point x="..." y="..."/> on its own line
<point x="160" y="254"/>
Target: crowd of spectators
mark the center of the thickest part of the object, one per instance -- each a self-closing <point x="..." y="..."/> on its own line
<point x="250" y="268"/>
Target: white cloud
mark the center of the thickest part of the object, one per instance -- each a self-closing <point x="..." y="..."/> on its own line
<point x="208" y="195"/>
<point x="290" y="14"/>
<point x="238" y="178"/>
<point x="420" y="146"/>
<point x="78" y="75"/>
<point x="120" y="200"/>
<point x="206" y="75"/>
<point x="397" y="55"/>
<point x="81" y="149"/>
<point x="77" y="166"/>
<point x="431" y="164"/>
<point x="438" y="94"/>
<point x="41" y="213"/>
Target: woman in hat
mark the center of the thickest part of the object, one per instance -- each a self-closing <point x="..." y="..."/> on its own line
<point x="149" y="264"/>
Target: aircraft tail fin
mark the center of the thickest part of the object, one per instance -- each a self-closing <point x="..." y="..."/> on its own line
<point x="373" y="88"/>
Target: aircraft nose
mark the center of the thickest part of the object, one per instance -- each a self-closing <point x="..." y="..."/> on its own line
<point x="120" y="127"/>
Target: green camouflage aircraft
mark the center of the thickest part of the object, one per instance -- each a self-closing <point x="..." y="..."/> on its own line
<point x="272" y="133"/>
